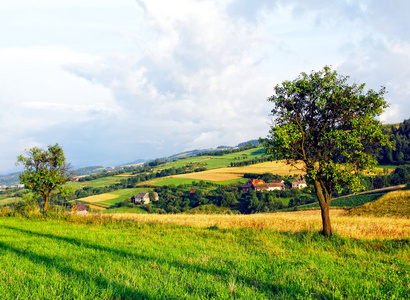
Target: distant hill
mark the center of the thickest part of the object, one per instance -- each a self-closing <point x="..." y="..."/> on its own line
<point x="13" y="179"/>
<point x="205" y="151"/>
<point x="135" y="162"/>
<point x="88" y="170"/>
<point x="253" y="142"/>
<point x="9" y="180"/>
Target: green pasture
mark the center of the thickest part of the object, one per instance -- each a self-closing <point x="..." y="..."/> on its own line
<point x="347" y="202"/>
<point x="179" y="181"/>
<point x="171" y="181"/>
<point x="213" y="162"/>
<point x="226" y="182"/>
<point x="391" y="167"/>
<point x="99" y="182"/>
<point x="58" y="259"/>
<point x="123" y="194"/>
<point x="4" y="201"/>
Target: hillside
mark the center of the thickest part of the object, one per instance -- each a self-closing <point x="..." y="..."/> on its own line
<point x="9" y="180"/>
<point x="393" y="204"/>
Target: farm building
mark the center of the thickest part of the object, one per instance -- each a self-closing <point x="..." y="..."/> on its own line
<point x="260" y="185"/>
<point x="143" y="198"/>
<point x="299" y="183"/>
<point x="79" y="208"/>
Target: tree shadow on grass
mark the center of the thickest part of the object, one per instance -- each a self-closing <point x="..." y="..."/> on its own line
<point x="121" y="291"/>
<point x="125" y="292"/>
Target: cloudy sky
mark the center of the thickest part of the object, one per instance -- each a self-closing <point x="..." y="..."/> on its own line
<point x="113" y="81"/>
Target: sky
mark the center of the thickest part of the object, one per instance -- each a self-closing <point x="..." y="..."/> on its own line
<point x="113" y="81"/>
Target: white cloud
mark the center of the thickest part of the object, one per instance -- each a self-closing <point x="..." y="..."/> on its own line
<point x="157" y="77"/>
<point x="37" y="95"/>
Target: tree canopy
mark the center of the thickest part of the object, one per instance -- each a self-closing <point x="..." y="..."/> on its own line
<point x="45" y="172"/>
<point x="331" y="127"/>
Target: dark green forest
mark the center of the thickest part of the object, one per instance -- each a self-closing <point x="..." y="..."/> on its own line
<point x="400" y="136"/>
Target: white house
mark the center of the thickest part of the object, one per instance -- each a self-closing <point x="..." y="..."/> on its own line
<point x="299" y="183"/>
<point x="143" y="198"/>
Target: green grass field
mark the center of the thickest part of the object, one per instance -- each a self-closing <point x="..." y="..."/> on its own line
<point x="171" y="181"/>
<point x="121" y="195"/>
<point x="5" y="200"/>
<point x="213" y="162"/>
<point x="56" y="259"/>
<point x="347" y="202"/>
<point x="100" y="182"/>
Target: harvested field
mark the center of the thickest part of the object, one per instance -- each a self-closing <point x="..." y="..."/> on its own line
<point x="96" y="207"/>
<point x="98" y="198"/>
<point x="210" y="175"/>
<point x="346" y="226"/>
<point x="221" y="174"/>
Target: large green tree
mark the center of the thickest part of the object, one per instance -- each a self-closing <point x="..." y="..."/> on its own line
<point x="330" y="126"/>
<point x="45" y="172"/>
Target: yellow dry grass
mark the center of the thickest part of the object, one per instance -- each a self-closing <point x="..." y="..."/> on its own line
<point x="392" y="204"/>
<point x="346" y="226"/>
<point x="98" y="198"/>
<point x="210" y="175"/>
<point x="221" y="174"/>
<point x="96" y="207"/>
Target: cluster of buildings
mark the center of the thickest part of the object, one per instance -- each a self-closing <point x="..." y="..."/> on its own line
<point x="254" y="185"/>
<point x="260" y="185"/>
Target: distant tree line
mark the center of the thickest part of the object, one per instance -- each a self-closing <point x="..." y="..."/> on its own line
<point x="400" y="136"/>
<point x="251" y="161"/>
<point x="401" y="175"/>
<point x="227" y="151"/>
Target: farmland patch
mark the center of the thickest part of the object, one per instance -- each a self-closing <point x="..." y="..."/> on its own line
<point x="98" y="198"/>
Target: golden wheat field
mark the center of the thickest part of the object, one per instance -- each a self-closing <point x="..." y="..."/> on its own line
<point x="279" y="167"/>
<point x="98" y="198"/>
<point x="347" y="226"/>
<point x="96" y="207"/>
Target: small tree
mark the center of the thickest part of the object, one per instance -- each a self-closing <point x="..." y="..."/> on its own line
<point x="45" y="172"/>
<point x="330" y="126"/>
<point x="152" y="196"/>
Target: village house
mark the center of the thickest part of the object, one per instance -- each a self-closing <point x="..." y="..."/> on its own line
<point x="299" y="183"/>
<point x="143" y="198"/>
<point x="79" y="208"/>
<point x="260" y="185"/>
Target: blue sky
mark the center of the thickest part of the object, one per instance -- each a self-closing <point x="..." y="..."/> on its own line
<point x="113" y="81"/>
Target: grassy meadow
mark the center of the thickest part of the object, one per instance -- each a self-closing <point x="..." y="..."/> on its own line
<point x="213" y="162"/>
<point x="108" y="199"/>
<point x="99" y="258"/>
<point x="346" y="202"/>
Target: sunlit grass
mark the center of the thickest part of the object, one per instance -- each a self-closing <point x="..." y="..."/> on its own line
<point x="91" y="258"/>
<point x="299" y="221"/>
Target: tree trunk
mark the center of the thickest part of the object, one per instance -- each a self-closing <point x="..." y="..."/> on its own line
<point x="324" y="201"/>
<point x="327" y="228"/>
<point x="46" y="197"/>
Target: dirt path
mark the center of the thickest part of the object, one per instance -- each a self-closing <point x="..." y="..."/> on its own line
<point x="385" y="189"/>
